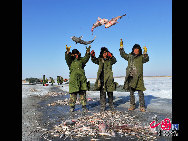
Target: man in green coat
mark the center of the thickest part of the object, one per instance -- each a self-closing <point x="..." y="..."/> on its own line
<point x="58" y="80"/>
<point x="78" y="80"/>
<point x="134" y="74"/>
<point x="105" y="81"/>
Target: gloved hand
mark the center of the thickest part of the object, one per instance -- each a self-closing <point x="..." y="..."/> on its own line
<point x="121" y="44"/>
<point x="92" y="53"/>
<point x="68" y="49"/>
<point x="88" y="49"/>
<point x="145" y="50"/>
<point x="109" y="55"/>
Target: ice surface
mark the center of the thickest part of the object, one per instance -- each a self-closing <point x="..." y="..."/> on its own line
<point x="156" y="86"/>
<point x="158" y="94"/>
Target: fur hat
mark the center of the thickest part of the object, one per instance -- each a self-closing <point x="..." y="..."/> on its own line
<point x="138" y="47"/>
<point x="102" y="51"/>
<point x="75" y="51"/>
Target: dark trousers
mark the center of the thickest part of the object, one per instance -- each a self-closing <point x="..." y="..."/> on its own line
<point x="141" y="97"/>
<point x="103" y="98"/>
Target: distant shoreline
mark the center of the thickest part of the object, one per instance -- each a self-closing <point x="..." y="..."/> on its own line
<point x="124" y="76"/>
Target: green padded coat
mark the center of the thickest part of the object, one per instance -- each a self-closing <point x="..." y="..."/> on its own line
<point x="77" y="80"/>
<point x="135" y="65"/>
<point x="109" y="84"/>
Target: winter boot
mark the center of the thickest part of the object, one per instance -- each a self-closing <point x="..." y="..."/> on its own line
<point x="72" y="108"/>
<point x="142" y="109"/>
<point x="132" y="107"/>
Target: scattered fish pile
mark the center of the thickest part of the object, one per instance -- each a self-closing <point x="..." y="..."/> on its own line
<point x="33" y="90"/>
<point x="55" y="93"/>
<point x="59" y="102"/>
<point x="66" y="102"/>
<point x="107" y="124"/>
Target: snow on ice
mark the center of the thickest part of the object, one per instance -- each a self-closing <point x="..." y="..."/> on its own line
<point x="155" y="86"/>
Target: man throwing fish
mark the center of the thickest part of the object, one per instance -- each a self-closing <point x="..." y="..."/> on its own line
<point x="78" y="80"/>
<point x="134" y="74"/>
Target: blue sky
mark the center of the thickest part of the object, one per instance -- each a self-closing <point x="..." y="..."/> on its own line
<point x="47" y="26"/>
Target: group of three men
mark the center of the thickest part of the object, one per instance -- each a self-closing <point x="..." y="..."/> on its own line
<point x="105" y="81"/>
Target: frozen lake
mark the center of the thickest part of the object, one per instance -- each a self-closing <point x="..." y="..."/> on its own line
<point x="158" y="94"/>
<point x="155" y="86"/>
<point x="37" y="112"/>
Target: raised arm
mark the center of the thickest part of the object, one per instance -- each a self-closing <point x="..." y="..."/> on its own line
<point x="123" y="54"/>
<point x="93" y="58"/>
<point x="113" y="59"/>
<point x="85" y="59"/>
<point x="68" y="58"/>
<point x="145" y="58"/>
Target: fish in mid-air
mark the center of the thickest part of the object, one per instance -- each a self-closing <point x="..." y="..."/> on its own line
<point x="79" y="40"/>
<point x="99" y="22"/>
<point x="113" y="21"/>
<point x="106" y="22"/>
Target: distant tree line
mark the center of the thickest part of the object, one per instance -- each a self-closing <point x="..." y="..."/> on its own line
<point x="33" y="80"/>
<point x="43" y="81"/>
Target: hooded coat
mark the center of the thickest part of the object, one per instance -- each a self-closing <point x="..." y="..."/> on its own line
<point x="78" y="80"/>
<point x="105" y="67"/>
<point x="134" y="70"/>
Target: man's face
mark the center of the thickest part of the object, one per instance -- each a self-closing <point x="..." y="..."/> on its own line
<point x="76" y="56"/>
<point x="136" y="51"/>
<point x="104" y="54"/>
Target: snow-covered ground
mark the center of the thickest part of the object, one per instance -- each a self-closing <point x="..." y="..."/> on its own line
<point x="158" y="100"/>
<point x="38" y="89"/>
<point x="155" y="86"/>
<point x="158" y="94"/>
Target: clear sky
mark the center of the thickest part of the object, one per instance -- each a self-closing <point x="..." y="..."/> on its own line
<point x="47" y="26"/>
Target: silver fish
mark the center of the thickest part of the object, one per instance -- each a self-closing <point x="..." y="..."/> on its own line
<point x="79" y="40"/>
